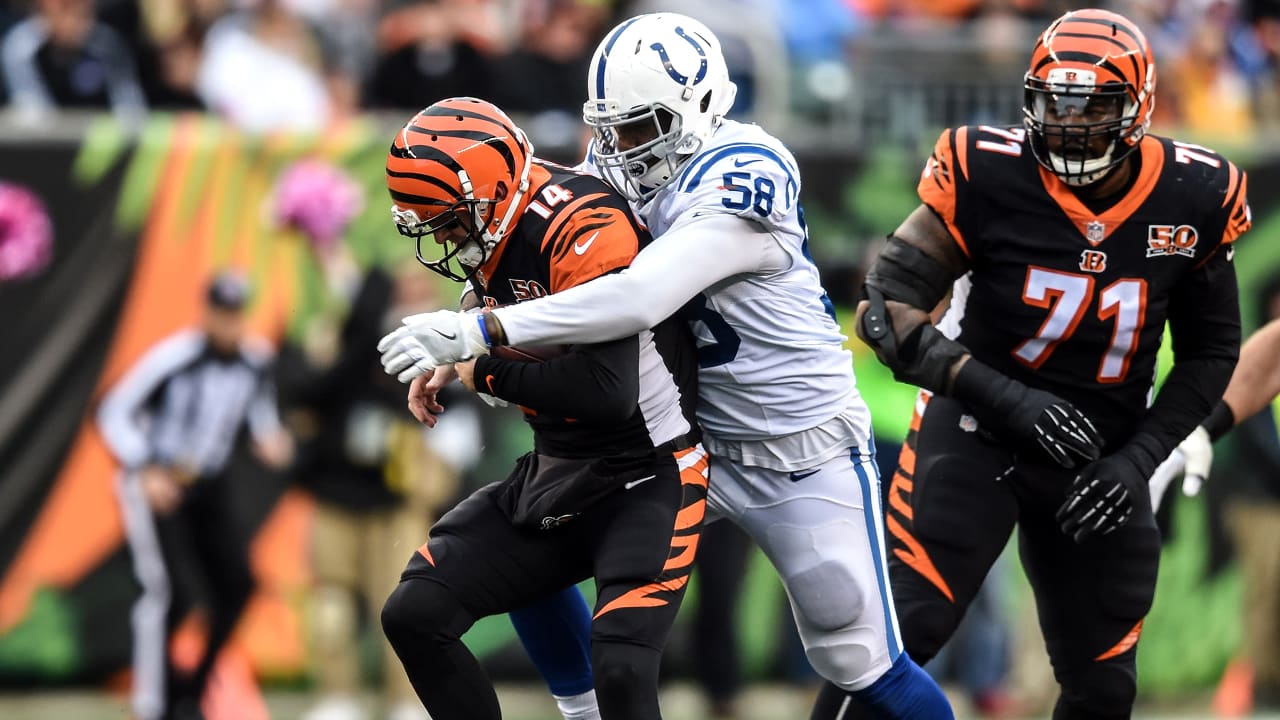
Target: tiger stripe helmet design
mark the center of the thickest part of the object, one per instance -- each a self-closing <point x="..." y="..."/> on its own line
<point x="458" y="173"/>
<point x="1092" y="79"/>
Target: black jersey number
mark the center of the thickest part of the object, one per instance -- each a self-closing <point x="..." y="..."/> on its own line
<point x="1067" y="296"/>
<point x="725" y="340"/>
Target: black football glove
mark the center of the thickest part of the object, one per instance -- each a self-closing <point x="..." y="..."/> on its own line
<point x="1032" y="418"/>
<point x="1102" y="496"/>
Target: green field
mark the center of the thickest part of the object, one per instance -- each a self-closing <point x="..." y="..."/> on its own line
<point x="679" y="702"/>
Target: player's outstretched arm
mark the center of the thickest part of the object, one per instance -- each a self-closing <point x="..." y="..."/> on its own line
<point x="682" y="262"/>
<point x="1254" y="385"/>
<point x="665" y="275"/>
<point x="1256" y="380"/>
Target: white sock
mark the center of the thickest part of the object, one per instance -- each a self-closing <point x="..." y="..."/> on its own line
<point x="579" y="707"/>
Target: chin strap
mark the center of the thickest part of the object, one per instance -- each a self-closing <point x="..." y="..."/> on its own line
<point x="522" y="187"/>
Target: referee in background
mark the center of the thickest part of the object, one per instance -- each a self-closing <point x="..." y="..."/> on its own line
<point x="172" y="422"/>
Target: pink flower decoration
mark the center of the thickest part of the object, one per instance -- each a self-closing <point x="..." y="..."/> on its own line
<point x="26" y="232"/>
<point x="318" y="199"/>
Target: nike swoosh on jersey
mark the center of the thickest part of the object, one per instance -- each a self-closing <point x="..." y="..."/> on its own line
<point x="744" y="163"/>
<point x="798" y="476"/>
<point x="634" y="483"/>
<point x="581" y="248"/>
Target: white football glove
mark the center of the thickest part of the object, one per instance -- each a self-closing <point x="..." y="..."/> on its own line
<point x="1199" y="451"/>
<point x="1192" y="458"/>
<point x="428" y="340"/>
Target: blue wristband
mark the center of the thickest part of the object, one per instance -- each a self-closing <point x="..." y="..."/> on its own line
<point x="484" y="332"/>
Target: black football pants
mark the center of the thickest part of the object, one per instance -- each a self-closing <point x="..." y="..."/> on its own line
<point x="952" y="506"/>
<point x="638" y="543"/>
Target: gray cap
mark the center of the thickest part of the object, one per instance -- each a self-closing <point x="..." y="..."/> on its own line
<point x="229" y="290"/>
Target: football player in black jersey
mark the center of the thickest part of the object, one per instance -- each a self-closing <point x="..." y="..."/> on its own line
<point x="615" y="486"/>
<point x="1078" y="235"/>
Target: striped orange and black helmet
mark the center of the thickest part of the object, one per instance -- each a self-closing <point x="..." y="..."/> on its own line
<point x="1089" y="94"/>
<point x="458" y="173"/>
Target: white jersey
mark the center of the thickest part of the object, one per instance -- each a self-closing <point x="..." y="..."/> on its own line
<point x="771" y="354"/>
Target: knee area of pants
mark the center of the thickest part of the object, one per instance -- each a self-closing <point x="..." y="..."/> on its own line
<point x="615" y="674"/>
<point x="622" y="668"/>
<point x="925" y="629"/>
<point x="415" y="608"/>
<point x="845" y="663"/>
<point x="827" y="596"/>
<point x="1099" y="692"/>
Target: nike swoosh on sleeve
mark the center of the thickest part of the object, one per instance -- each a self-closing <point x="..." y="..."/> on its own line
<point x="581" y="248"/>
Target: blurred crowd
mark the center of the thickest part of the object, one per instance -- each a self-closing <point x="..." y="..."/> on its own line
<point x="301" y="64"/>
<point x="268" y="65"/>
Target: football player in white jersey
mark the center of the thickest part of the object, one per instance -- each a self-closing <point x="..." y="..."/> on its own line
<point x="793" y="460"/>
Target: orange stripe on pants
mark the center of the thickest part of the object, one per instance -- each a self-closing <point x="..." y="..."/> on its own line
<point x="686" y="530"/>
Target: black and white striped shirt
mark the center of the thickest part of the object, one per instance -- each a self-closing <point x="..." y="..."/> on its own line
<point x="182" y="405"/>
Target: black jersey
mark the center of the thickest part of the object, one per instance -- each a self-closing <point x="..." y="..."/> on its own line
<point x="1073" y="301"/>
<point x="574" y="229"/>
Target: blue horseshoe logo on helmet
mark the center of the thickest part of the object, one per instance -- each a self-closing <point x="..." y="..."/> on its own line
<point x="675" y="74"/>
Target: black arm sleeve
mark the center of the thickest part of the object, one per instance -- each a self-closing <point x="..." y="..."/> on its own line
<point x="1204" y="319"/>
<point x="597" y="383"/>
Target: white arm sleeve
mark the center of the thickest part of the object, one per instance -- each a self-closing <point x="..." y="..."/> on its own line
<point x="121" y="413"/>
<point x="684" y="261"/>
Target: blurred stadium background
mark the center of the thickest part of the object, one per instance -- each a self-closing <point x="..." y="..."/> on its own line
<point x="155" y="161"/>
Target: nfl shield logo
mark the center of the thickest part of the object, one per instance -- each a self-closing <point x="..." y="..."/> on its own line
<point x="1095" y="232"/>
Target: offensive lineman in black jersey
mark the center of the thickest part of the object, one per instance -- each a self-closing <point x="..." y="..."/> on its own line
<point x="1081" y="235"/>
<point x="615" y="487"/>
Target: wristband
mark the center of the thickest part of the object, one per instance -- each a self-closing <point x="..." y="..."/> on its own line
<point x="1220" y="420"/>
<point x="977" y="383"/>
<point x="495" y="335"/>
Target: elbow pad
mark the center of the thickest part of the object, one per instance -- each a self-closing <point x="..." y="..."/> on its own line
<point x="924" y="357"/>
<point x="907" y="274"/>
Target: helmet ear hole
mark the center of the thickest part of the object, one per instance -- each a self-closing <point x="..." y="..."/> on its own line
<point x="706" y="101"/>
<point x="500" y="191"/>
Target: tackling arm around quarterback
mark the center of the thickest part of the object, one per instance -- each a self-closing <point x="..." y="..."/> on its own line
<point x="675" y="267"/>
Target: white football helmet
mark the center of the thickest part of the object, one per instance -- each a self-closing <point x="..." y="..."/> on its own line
<point x="658" y="88"/>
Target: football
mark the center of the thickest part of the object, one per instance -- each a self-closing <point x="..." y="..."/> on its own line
<point x="528" y="353"/>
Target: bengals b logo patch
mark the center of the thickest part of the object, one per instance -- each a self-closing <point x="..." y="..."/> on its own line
<point x="1093" y="261"/>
